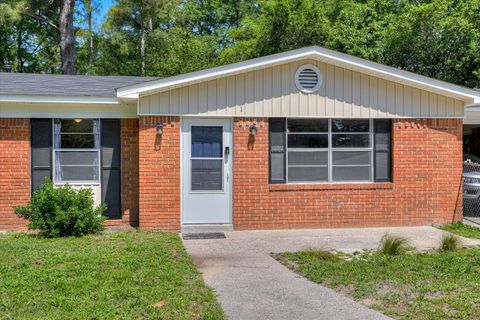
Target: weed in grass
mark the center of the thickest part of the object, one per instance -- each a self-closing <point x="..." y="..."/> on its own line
<point x="450" y="243"/>
<point x="322" y="255"/>
<point x="393" y="245"/>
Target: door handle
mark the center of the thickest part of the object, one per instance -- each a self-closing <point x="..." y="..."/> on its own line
<point x="227" y="151"/>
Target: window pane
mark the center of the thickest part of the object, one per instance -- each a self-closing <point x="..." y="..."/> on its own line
<point x="65" y="174"/>
<point x="350" y="140"/>
<point x="350" y="125"/>
<point x="307" y="174"/>
<point x="207" y="175"/>
<point x="351" y="173"/>
<point x="70" y="125"/>
<point x="308" y="141"/>
<point x="351" y="157"/>
<point x="207" y="142"/>
<point x="77" y="141"/>
<point x="307" y="125"/>
<point x="308" y="158"/>
<point x="77" y="157"/>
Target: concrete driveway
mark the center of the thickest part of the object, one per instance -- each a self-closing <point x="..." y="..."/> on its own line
<point x="252" y="285"/>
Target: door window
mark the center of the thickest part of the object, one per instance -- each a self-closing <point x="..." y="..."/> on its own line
<point x="206" y="158"/>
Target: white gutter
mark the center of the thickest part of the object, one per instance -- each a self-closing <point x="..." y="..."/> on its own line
<point x="472" y="107"/>
<point x="58" y="99"/>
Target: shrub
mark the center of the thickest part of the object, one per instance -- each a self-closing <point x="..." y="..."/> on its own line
<point x="393" y="245"/>
<point x="322" y="255"/>
<point x="450" y="243"/>
<point x="62" y="211"/>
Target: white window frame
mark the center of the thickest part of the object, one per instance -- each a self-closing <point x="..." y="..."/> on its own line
<point x="55" y="150"/>
<point x="330" y="149"/>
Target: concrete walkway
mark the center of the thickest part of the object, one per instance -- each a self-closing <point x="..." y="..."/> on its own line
<point x="252" y="285"/>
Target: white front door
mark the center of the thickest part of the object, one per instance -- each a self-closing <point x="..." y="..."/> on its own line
<point x="207" y="171"/>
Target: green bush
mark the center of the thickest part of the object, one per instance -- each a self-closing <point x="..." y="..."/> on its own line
<point x="450" y="243"/>
<point x="393" y="245"/>
<point x="62" y="211"/>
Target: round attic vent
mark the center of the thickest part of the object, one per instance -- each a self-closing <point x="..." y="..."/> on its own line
<point x="308" y="78"/>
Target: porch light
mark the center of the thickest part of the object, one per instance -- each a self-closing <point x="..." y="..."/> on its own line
<point x="78" y="120"/>
<point x="159" y="128"/>
<point x="253" y="129"/>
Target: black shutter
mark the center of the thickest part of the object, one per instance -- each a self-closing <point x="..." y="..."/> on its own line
<point x="383" y="150"/>
<point x="41" y="151"/>
<point x="277" y="150"/>
<point x="111" y="177"/>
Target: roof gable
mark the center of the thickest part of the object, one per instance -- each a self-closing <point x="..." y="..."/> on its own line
<point x="316" y="53"/>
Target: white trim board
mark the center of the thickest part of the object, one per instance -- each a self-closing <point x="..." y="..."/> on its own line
<point x="316" y="53"/>
<point x="66" y="110"/>
<point x="58" y="99"/>
<point x="207" y="116"/>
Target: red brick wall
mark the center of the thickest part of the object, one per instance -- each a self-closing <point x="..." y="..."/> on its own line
<point x="129" y="154"/>
<point x="159" y="159"/>
<point x="426" y="188"/>
<point x="15" y="170"/>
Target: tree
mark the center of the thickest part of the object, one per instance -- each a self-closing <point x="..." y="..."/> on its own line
<point x="135" y="19"/>
<point x="439" y="39"/>
<point x="54" y="14"/>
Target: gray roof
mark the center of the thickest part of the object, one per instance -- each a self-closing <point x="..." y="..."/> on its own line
<point x="64" y="85"/>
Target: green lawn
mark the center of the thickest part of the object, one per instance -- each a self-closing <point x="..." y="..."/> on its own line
<point x="107" y="276"/>
<point x="461" y="229"/>
<point x="412" y="286"/>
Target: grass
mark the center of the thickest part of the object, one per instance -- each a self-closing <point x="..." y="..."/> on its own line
<point x="461" y="229"/>
<point x="393" y="245"/>
<point x="412" y="286"/>
<point x="450" y="243"/>
<point x="107" y="276"/>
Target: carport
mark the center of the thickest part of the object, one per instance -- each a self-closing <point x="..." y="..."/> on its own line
<point x="471" y="164"/>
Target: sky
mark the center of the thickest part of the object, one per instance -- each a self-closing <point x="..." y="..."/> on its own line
<point x="100" y="14"/>
<point x="104" y="6"/>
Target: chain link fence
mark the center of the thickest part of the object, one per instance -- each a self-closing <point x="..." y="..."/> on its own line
<point x="471" y="191"/>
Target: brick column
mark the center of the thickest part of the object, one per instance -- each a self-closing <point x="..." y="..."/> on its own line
<point x="14" y="170"/>
<point x="130" y="153"/>
<point x="159" y="168"/>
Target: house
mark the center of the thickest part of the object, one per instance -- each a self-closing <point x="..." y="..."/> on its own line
<point x="309" y="138"/>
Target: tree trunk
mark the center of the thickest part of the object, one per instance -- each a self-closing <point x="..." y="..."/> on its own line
<point x="19" y="63"/>
<point x="142" y="46"/>
<point x="90" y="34"/>
<point x="67" y="37"/>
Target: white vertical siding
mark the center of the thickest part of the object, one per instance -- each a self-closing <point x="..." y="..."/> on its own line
<point x="271" y="92"/>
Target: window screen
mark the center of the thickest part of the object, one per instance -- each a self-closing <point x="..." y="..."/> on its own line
<point x="76" y="146"/>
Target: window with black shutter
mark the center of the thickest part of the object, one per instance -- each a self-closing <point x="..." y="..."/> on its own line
<point x="330" y="150"/>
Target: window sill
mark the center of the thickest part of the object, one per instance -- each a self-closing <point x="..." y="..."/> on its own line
<point x="331" y="186"/>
